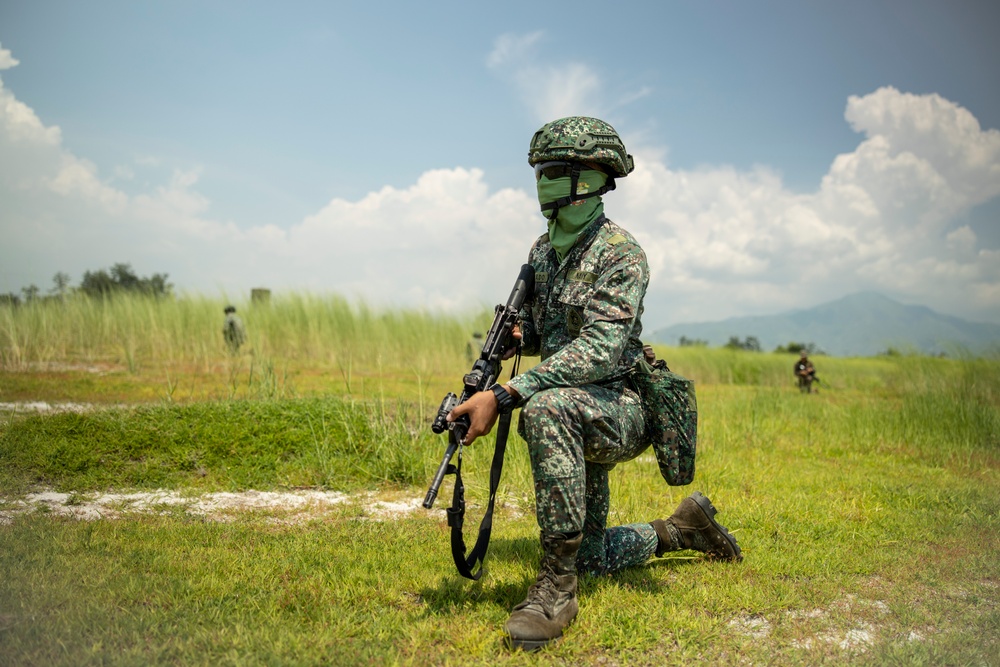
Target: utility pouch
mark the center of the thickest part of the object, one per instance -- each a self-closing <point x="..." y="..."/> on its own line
<point x="671" y="413"/>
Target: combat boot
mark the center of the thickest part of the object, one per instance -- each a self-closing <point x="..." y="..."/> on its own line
<point x="693" y="526"/>
<point x="551" y="602"/>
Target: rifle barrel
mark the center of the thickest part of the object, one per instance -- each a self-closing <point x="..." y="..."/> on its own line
<point x="441" y="472"/>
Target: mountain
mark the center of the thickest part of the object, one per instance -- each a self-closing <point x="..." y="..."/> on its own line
<point x="863" y="324"/>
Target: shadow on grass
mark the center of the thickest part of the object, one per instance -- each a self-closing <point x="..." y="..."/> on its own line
<point x="453" y="592"/>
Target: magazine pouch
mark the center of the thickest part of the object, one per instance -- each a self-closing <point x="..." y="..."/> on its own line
<point x="671" y="413"/>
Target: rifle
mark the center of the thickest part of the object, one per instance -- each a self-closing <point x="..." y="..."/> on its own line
<point x="485" y="371"/>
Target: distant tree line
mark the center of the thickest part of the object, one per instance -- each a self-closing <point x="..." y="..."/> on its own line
<point x="795" y="348"/>
<point x="692" y="342"/>
<point x="103" y="283"/>
<point x="752" y="344"/>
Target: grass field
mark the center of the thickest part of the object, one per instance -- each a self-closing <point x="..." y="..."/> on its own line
<point x="868" y="514"/>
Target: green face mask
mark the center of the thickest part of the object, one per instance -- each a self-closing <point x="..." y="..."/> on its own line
<point x="570" y="221"/>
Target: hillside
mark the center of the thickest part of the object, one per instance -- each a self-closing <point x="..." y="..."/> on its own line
<point x="862" y="324"/>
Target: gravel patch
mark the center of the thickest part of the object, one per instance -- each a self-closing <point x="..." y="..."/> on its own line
<point x="41" y="407"/>
<point x="294" y="506"/>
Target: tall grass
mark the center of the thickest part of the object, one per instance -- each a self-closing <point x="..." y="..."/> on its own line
<point x="720" y="366"/>
<point x="136" y="330"/>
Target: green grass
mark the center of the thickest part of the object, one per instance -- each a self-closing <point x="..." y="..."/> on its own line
<point x="227" y="445"/>
<point x="868" y="514"/>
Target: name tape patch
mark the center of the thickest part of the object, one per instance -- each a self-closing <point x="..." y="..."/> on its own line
<point x="578" y="276"/>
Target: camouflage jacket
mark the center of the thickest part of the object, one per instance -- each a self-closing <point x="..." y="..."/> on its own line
<point x="233" y="331"/>
<point x="585" y="318"/>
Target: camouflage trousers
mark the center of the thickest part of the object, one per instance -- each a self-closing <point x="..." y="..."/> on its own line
<point x="575" y="436"/>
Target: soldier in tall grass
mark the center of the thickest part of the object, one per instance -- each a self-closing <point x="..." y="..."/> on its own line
<point x="805" y="372"/>
<point x="233" y="331"/>
<point x="580" y="414"/>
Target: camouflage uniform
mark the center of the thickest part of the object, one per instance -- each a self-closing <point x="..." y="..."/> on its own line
<point x="579" y="415"/>
<point x="233" y="332"/>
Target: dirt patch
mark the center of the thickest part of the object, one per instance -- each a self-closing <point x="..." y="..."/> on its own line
<point x="41" y="407"/>
<point x="96" y="368"/>
<point x="289" y="506"/>
<point x="850" y="624"/>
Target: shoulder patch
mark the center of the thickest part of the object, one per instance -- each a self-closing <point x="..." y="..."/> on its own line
<point x="616" y="239"/>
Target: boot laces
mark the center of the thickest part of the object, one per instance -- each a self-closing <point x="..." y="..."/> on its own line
<point x="543" y="593"/>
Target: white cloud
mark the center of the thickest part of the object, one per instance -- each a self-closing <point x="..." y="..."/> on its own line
<point x="78" y="178"/>
<point x="21" y="125"/>
<point x="7" y="60"/>
<point x="721" y="241"/>
<point x="552" y="87"/>
<point x="962" y="239"/>
<point x="934" y="134"/>
<point x="445" y="242"/>
<point x="511" y="47"/>
<point x="633" y="96"/>
<point x="924" y="159"/>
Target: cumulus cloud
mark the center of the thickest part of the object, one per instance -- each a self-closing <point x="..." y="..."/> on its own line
<point x="7" y="60"/>
<point x="884" y="218"/>
<point x="433" y="244"/>
<point x="721" y="241"/>
<point x="924" y="160"/>
<point x="447" y="241"/>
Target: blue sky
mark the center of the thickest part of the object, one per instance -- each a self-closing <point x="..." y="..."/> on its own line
<point x="787" y="153"/>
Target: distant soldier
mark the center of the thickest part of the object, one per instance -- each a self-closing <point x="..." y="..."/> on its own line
<point x="805" y="373"/>
<point x="233" y="331"/>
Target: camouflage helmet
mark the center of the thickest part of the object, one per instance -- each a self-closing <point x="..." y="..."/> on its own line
<point x="578" y="138"/>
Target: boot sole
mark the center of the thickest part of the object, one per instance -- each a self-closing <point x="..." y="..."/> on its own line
<point x="529" y="645"/>
<point x="709" y="510"/>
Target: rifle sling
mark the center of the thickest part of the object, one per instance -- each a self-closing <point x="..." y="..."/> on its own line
<point x="456" y="513"/>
